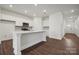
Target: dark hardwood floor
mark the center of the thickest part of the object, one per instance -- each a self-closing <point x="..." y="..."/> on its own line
<point x="6" y="47"/>
<point x="0" y="49"/>
<point x="69" y="45"/>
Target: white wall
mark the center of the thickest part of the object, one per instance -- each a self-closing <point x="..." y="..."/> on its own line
<point x="0" y="17"/>
<point x="37" y="23"/>
<point x="56" y="25"/>
<point x="77" y="26"/>
<point x="69" y="26"/>
<point x="6" y="29"/>
<point x="0" y="13"/>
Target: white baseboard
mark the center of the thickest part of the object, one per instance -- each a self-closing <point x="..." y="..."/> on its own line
<point x="59" y="38"/>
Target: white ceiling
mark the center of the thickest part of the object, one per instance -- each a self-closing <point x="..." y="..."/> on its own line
<point x="38" y="10"/>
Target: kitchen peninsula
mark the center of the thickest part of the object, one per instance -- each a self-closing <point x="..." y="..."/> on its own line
<point x="25" y="39"/>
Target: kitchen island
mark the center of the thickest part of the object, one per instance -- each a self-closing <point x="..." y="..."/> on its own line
<point x="26" y="39"/>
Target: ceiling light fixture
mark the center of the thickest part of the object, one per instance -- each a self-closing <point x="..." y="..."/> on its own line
<point x="44" y="10"/>
<point x="70" y="17"/>
<point x="25" y="11"/>
<point x="35" y="4"/>
<point x="72" y="10"/>
<point x="11" y="6"/>
<point x="34" y="14"/>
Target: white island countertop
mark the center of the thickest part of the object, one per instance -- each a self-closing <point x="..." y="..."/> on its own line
<point x="29" y="31"/>
<point x="26" y="39"/>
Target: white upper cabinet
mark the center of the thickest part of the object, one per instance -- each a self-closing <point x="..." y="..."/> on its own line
<point x="10" y="16"/>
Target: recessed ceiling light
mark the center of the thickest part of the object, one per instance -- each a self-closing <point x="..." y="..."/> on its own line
<point x="35" y="4"/>
<point x="34" y="14"/>
<point x="25" y="11"/>
<point x="44" y="10"/>
<point x="11" y="6"/>
<point x="70" y="17"/>
<point x="72" y="10"/>
<point x="68" y="25"/>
